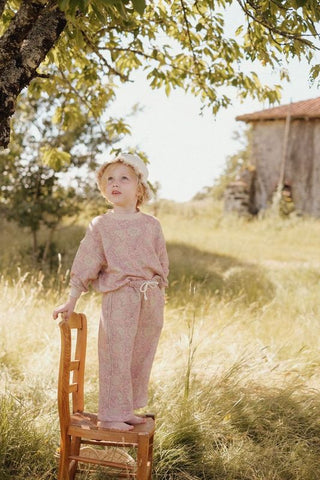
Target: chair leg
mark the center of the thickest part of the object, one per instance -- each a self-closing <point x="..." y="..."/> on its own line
<point x="65" y="448"/>
<point x="75" y="450"/>
<point x="150" y="456"/>
<point x="61" y="462"/>
<point x="142" y="457"/>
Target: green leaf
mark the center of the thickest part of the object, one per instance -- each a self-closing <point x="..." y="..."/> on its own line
<point x="54" y="158"/>
<point x="239" y="30"/>
<point x="300" y="3"/>
<point x="63" y="4"/>
<point x="315" y="72"/>
<point x="83" y="5"/>
<point x="101" y="16"/>
<point x="139" y="5"/>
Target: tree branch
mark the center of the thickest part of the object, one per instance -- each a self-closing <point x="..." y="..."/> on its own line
<point x="195" y="60"/>
<point x="42" y="37"/>
<point x="274" y="29"/>
<point x="129" y="49"/>
<point x="85" y="102"/>
<point x="185" y="16"/>
<point x="19" y="70"/>
<point x="41" y="75"/>
<point x="147" y="56"/>
<point x="19" y="27"/>
<point x="95" y="50"/>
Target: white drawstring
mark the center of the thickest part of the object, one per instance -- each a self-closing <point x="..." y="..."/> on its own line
<point x="145" y="285"/>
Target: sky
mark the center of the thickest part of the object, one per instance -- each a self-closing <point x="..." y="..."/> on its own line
<point x="188" y="151"/>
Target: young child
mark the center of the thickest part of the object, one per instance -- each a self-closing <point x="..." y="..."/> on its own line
<point x="123" y="255"/>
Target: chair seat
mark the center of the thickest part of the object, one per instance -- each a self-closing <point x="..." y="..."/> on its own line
<point x="84" y="425"/>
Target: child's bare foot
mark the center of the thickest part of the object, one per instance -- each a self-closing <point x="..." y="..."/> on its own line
<point x="120" y="426"/>
<point x="134" y="420"/>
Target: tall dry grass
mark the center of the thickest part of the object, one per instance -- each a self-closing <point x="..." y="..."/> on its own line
<point x="236" y="377"/>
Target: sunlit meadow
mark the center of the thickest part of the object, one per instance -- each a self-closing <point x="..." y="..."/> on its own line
<point x="235" y="383"/>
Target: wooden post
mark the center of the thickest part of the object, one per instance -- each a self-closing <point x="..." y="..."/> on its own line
<point x="275" y="204"/>
<point x="285" y="148"/>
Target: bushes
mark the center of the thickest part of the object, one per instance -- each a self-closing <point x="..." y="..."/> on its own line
<point x="26" y="451"/>
<point x="227" y="430"/>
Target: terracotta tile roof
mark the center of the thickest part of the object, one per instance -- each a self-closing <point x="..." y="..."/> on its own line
<point x="303" y="109"/>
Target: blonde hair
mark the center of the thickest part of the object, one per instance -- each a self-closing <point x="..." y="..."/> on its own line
<point x="143" y="192"/>
<point x="143" y="195"/>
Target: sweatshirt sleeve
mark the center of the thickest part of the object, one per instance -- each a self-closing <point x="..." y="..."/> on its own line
<point x="163" y="256"/>
<point x="88" y="261"/>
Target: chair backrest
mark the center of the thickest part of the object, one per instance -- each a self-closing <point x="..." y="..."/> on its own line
<point x="71" y="369"/>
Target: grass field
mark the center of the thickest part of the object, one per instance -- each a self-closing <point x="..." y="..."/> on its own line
<point x="235" y="383"/>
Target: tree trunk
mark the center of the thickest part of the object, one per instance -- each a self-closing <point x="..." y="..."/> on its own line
<point x="30" y="36"/>
<point x="34" y="246"/>
<point x="47" y="245"/>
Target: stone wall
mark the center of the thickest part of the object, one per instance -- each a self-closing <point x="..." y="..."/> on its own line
<point x="302" y="169"/>
<point x="238" y="196"/>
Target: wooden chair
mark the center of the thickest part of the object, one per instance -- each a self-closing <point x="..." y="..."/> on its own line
<point x="78" y="427"/>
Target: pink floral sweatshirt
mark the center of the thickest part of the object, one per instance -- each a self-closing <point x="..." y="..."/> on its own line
<point x="117" y="249"/>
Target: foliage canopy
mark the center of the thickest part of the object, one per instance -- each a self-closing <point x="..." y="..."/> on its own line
<point x="64" y="47"/>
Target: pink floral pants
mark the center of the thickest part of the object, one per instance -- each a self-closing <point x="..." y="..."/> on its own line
<point x="129" y="331"/>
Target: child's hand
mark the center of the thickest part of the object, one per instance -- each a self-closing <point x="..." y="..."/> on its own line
<point x="66" y="309"/>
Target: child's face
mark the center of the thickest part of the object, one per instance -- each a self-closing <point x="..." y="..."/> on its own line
<point x="122" y="186"/>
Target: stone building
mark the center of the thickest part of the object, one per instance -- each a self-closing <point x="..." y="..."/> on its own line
<point x="286" y="152"/>
<point x="239" y="195"/>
